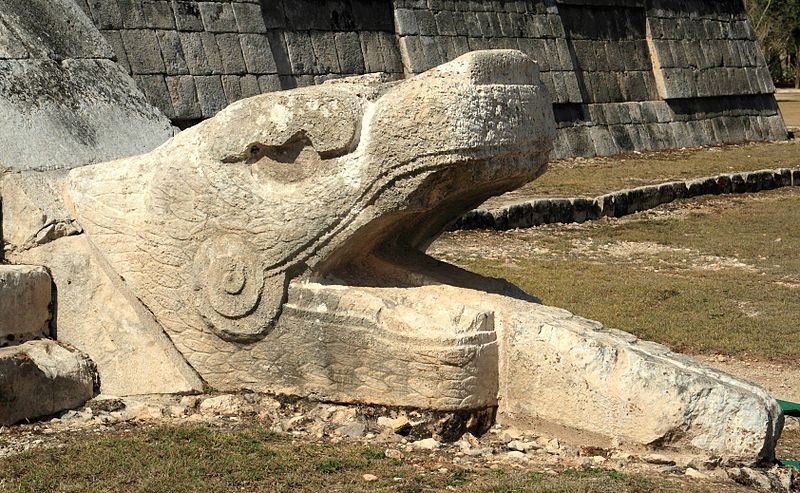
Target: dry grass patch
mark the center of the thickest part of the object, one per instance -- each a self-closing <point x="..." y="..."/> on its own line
<point x="202" y="459"/>
<point x="597" y="176"/>
<point x="715" y="274"/>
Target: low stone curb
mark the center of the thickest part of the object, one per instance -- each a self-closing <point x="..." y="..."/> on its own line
<point x="624" y="202"/>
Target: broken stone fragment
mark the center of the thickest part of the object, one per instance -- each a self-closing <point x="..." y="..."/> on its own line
<point x="132" y="354"/>
<point x="33" y="209"/>
<point x="25" y="297"/>
<point x="43" y="377"/>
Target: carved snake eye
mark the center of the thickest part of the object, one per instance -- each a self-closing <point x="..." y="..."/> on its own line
<point x="231" y="293"/>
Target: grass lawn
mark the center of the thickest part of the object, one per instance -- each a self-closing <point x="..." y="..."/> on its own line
<point x="201" y="459"/>
<point x="596" y="176"/>
<point x="789" y="444"/>
<point x="719" y="274"/>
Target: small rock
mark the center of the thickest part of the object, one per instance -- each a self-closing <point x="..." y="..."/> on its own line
<point x="370" y="477"/>
<point x="223" y="405"/>
<point x="399" y="425"/>
<point x="190" y="401"/>
<point x="177" y="411"/>
<point x="352" y="430"/>
<point x="393" y="454"/>
<point x="694" y="473"/>
<point x="516" y="455"/>
<point x="510" y="434"/>
<point x="427" y="444"/>
<point x="295" y="423"/>
<point x="143" y="411"/>
<point x="443" y="470"/>
<point x="106" y="403"/>
<point x="658" y="459"/>
<point x="669" y="470"/>
<point x="598" y="460"/>
<point x="776" y="480"/>
<point x="521" y="446"/>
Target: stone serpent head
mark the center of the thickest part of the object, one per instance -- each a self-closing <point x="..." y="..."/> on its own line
<point x="300" y="183"/>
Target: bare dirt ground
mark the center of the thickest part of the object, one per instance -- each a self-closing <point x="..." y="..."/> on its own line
<point x="781" y="380"/>
<point x="789" y="103"/>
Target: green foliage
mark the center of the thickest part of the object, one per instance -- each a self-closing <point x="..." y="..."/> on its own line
<point x="777" y="26"/>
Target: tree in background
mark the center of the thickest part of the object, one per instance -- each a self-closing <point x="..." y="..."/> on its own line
<point x="777" y="28"/>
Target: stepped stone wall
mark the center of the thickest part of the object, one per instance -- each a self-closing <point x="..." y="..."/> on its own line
<point x="624" y="75"/>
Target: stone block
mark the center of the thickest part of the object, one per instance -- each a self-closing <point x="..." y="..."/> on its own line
<point x="406" y="22"/>
<point x="472" y="25"/>
<point x="106" y="14"/>
<point x="25" y="304"/>
<point x="211" y="94"/>
<point x="155" y="90"/>
<point x="445" y="24"/>
<point x="372" y="50"/>
<point x="249" y="85"/>
<point x="257" y="54"/>
<point x="144" y="52"/>
<point x="114" y="38"/>
<point x="249" y="18"/>
<point x="432" y="55"/>
<point x="426" y="22"/>
<point x="218" y="17"/>
<point x="602" y="140"/>
<point x="301" y="52"/>
<point x="158" y="14"/>
<point x="187" y="15"/>
<point x="390" y="50"/>
<point x="40" y="378"/>
<point x="348" y="49"/>
<point x="183" y="95"/>
<point x="230" y="52"/>
<point x="212" y="53"/>
<point x="323" y="44"/>
<point x="172" y="53"/>
<point x="271" y="83"/>
<point x="232" y="88"/>
<point x="195" y="56"/>
<point x="413" y="56"/>
<point x="132" y="14"/>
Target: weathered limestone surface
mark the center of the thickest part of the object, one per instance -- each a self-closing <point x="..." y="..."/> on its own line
<point x="25" y="299"/>
<point x="94" y="314"/>
<point x="33" y="211"/>
<point x="558" y="368"/>
<point x="40" y="378"/>
<point x="279" y="245"/>
<point x="209" y="229"/>
<point x="64" y="101"/>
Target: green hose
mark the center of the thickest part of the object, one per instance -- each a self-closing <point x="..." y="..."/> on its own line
<point x="790" y="409"/>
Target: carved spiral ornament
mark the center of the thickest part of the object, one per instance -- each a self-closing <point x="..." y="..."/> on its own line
<point x="230" y="288"/>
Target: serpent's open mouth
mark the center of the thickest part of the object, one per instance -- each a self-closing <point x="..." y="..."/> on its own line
<point x="389" y="250"/>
